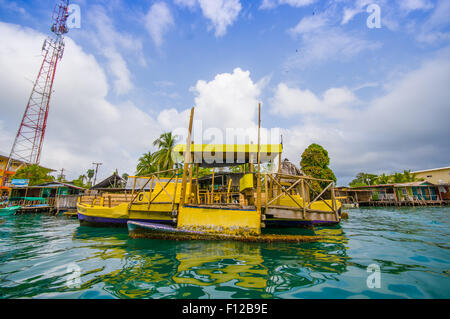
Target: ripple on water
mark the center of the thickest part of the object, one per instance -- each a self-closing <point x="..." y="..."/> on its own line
<point x="411" y="246"/>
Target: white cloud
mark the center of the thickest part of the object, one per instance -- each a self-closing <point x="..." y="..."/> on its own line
<point x="309" y="24"/>
<point x="334" y="103"/>
<point x="186" y="3"/>
<point x="13" y="6"/>
<point x="221" y="13"/>
<point x="83" y="126"/>
<point x="110" y="43"/>
<point x="158" y="21"/>
<point x="431" y="30"/>
<point x="358" y="7"/>
<point x="406" y="128"/>
<point x="329" y="44"/>
<point x="230" y="100"/>
<point x="270" y="4"/>
<point x="411" y="5"/>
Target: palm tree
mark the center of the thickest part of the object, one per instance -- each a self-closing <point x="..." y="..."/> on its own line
<point x="398" y="178"/>
<point x="163" y="157"/>
<point x="90" y="174"/>
<point x="410" y="177"/>
<point x="146" y="164"/>
<point x="383" y="179"/>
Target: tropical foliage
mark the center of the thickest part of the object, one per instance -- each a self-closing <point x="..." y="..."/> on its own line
<point x="146" y="164"/>
<point x="81" y="181"/>
<point x="314" y="163"/>
<point x="35" y="173"/>
<point x="160" y="160"/>
<point x="90" y="175"/>
<point x="363" y="179"/>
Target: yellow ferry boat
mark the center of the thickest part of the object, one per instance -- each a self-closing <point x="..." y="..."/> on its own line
<point x="179" y="208"/>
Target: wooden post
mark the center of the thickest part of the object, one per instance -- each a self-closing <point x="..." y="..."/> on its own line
<point x="303" y="197"/>
<point x="333" y="199"/>
<point x="212" y="187"/>
<point x="190" y="177"/>
<point x="134" y="185"/>
<point x="187" y="156"/>
<point x="258" y="182"/>
<point x="266" y="185"/>
<point x="109" y="201"/>
<point x="197" y="183"/>
<point x="228" y="191"/>
<point x="175" y="191"/>
<point x="251" y="159"/>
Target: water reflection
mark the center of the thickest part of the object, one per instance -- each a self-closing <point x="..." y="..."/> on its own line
<point x="202" y="269"/>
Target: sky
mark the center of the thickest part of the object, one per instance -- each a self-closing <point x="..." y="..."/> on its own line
<point x="376" y="96"/>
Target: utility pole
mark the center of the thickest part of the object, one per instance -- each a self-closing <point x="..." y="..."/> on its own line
<point x="61" y="176"/>
<point x="96" y="170"/>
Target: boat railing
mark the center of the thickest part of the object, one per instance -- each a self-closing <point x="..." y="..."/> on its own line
<point x="279" y="185"/>
<point x="163" y="179"/>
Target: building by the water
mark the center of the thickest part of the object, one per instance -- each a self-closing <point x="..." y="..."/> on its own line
<point x="16" y="164"/>
<point x="435" y="175"/>
<point x="47" y="197"/>
<point x="399" y="194"/>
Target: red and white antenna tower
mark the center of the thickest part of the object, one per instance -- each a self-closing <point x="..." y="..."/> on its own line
<point x="28" y="143"/>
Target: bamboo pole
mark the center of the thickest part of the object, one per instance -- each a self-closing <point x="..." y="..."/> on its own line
<point x="303" y="196"/>
<point x="190" y="177"/>
<point x="175" y="192"/>
<point x="197" y="184"/>
<point x="251" y="159"/>
<point x="228" y="190"/>
<point x="187" y="156"/>
<point x="212" y="187"/>
<point x="258" y="182"/>
<point x="266" y="185"/>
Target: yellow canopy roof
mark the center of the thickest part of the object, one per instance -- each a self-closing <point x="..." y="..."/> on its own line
<point x="217" y="155"/>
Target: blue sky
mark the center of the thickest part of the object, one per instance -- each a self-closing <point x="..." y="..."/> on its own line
<point x="377" y="98"/>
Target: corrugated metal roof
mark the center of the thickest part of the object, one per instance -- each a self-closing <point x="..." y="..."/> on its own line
<point x="51" y="185"/>
<point x="432" y="169"/>
<point x="412" y="184"/>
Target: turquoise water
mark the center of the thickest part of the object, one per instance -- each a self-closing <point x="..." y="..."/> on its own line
<point x="410" y="245"/>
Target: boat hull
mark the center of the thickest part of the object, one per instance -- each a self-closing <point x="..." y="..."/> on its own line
<point x="292" y="223"/>
<point x="155" y="231"/>
<point x="98" y="216"/>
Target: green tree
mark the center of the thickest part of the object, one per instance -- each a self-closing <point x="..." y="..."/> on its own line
<point x="204" y="171"/>
<point x="146" y="164"/>
<point x="162" y="158"/>
<point x="409" y="177"/>
<point x="364" y="179"/>
<point x="80" y="181"/>
<point x="35" y="173"/>
<point x="125" y="176"/>
<point x="314" y="163"/>
<point x="90" y="175"/>
<point x="398" y="178"/>
<point x="383" y="179"/>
